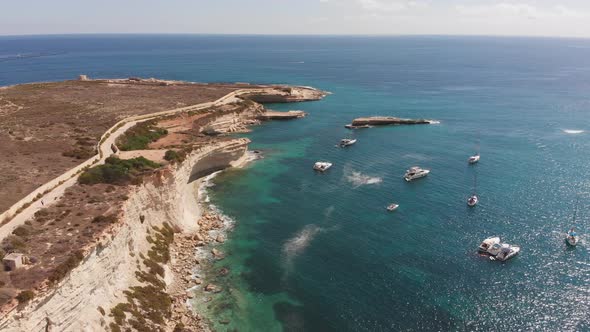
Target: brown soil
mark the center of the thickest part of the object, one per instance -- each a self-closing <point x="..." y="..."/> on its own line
<point x="60" y="230"/>
<point x="42" y="121"/>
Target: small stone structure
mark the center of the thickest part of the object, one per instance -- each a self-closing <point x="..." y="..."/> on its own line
<point x="13" y="261"/>
<point x="83" y="77"/>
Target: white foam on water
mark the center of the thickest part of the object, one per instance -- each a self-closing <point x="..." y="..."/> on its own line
<point x="296" y="245"/>
<point x="573" y="131"/>
<point x="359" y="179"/>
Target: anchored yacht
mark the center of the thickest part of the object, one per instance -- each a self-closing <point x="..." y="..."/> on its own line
<point x="347" y="142"/>
<point x="472" y="200"/>
<point x="572" y="237"/>
<point x="497" y="250"/>
<point x="488" y="243"/>
<point x="322" y="166"/>
<point x="392" y="207"/>
<point x="506" y="252"/>
<point x="415" y="173"/>
<point x="473" y="159"/>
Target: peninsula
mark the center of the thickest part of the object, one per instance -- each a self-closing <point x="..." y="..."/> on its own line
<point x="101" y="212"/>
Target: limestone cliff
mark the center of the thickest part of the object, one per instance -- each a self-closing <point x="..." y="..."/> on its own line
<point x="81" y="302"/>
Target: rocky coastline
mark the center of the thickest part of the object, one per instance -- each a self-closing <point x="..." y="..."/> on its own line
<point x="163" y="215"/>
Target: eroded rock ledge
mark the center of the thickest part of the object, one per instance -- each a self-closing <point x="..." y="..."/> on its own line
<point x="386" y="120"/>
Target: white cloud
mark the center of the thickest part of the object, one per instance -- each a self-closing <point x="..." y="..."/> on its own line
<point x="516" y="10"/>
<point x="388" y="5"/>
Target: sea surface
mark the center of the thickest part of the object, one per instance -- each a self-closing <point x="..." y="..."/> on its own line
<point x="319" y="252"/>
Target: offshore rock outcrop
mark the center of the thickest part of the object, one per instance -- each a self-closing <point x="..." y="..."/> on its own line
<point x="387" y="120"/>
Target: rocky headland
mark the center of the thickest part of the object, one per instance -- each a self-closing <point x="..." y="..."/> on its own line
<point x="132" y="268"/>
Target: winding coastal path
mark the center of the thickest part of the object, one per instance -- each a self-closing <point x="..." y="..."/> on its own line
<point x="51" y="191"/>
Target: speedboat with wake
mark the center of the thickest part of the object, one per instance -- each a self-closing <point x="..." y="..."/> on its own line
<point x="415" y="173"/>
<point x="322" y="166"/>
<point x="347" y="142"/>
<point x="473" y="159"/>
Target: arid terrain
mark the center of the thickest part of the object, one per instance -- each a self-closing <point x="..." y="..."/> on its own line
<point x="48" y="128"/>
<point x="121" y="215"/>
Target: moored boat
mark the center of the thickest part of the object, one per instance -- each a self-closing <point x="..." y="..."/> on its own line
<point x="473" y="159"/>
<point x="572" y="237"/>
<point x="415" y="173"/>
<point x="347" y="142"/>
<point x="472" y="200"/>
<point x="488" y="243"/>
<point x="322" y="166"/>
<point x="507" y="252"/>
<point x="392" y="207"/>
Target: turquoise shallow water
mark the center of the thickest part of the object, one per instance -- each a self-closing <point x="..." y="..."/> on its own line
<point x="317" y="252"/>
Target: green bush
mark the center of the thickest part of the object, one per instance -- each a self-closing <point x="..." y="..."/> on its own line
<point x="22" y="231"/>
<point x="68" y="265"/>
<point x="25" y="296"/>
<point x="110" y="219"/>
<point x="174" y="156"/>
<point x="117" y="171"/>
<point x="140" y="136"/>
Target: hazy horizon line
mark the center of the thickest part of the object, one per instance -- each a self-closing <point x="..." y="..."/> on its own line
<point x="281" y="35"/>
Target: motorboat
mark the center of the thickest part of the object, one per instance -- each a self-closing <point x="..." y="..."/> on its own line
<point x="572" y="237"/>
<point x="507" y="252"/>
<point x="347" y="142"/>
<point x="415" y="173"/>
<point x="472" y="200"/>
<point x="473" y="159"/>
<point x="392" y="207"/>
<point x="322" y="166"/>
<point x="488" y="243"/>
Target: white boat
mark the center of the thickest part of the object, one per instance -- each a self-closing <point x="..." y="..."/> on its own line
<point x="392" y="207"/>
<point x="415" y="173"/>
<point x="347" y="142"/>
<point x="473" y="200"/>
<point x="488" y="243"/>
<point x="507" y="252"/>
<point x="572" y="237"/>
<point x="473" y="159"/>
<point x="322" y="166"/>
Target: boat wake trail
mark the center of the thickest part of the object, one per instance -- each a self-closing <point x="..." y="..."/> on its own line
<point x="573" y="131"/>
<point x="328" y="211"/>
<point x="358" y="179"/>
<point x="297" y="245"/>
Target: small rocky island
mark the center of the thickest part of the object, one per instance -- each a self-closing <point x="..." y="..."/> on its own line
<point x="385" y="120"/>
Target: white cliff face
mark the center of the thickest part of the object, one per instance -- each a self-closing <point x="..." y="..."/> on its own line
<point x="109" y="269"/>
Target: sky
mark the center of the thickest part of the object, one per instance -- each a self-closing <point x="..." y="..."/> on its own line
<point x="570" y="18"/>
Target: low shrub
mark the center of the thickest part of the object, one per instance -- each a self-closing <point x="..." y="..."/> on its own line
<point x="174" y="156"/>
<point x="110" y="219"/>
<point x="140" y="136"/>
<point x="25" y="296"/>
<point x="117" y="171"/>
<point x="68" y="265"/>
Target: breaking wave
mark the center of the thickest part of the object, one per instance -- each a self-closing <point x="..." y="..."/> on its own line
<point x="359" y="179"/>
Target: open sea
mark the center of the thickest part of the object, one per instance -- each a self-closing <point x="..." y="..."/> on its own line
<point x="319" y="252"/>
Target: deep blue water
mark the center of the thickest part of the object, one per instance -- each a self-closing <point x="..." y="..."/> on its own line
<point x="315" y="252"/>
